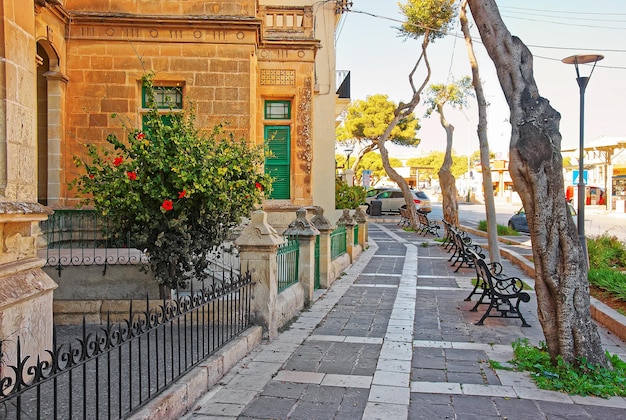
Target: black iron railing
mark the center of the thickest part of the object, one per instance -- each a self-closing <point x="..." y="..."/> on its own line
<point x="110" y="371"/>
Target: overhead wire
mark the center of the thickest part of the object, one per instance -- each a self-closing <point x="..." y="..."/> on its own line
<point x="479" y="41"/>
<point x="569" y="12"/>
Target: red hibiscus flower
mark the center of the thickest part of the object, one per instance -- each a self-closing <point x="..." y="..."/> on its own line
<point x="258" y="186"/>
<point x="167" y="205"/>
<point x="118" y="161"/>
<point x="182" y="194"/>
<point x="141" y="136"/>
<point x="91" y="176"/>
<point x="132" y="175"/>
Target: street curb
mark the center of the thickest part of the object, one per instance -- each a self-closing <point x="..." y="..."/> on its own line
<point x="603" y="314"/>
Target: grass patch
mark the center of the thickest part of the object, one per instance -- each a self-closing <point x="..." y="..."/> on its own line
<point x="609" y="280"/>
<point x="584" y="379"/>
<point x="606" y="251"/>
<point x="607" y="259"/>
<point x="502" y="230"/>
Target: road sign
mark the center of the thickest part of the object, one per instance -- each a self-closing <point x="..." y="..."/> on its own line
<point x="575" y="177"/>
<point x="367" y="176"/>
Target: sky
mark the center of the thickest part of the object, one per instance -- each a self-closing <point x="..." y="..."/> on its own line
<point x="379" y="62"/>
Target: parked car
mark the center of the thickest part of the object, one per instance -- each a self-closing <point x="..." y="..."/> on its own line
<point x="375" y="191"/>
<point x="392" y="200"/>
<point x="519" y="223"/>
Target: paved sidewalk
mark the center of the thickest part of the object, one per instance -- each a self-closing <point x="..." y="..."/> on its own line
<point x="394" y="339"/>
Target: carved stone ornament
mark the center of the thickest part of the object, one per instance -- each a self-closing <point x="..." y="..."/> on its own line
<point x="319" y="221"/>
<point x="301" y="226"/>
<point x="346" y="218"/>
<point x="359" y="215"/>
<point x="259" y="232"/>
<point x="305" y="121"/>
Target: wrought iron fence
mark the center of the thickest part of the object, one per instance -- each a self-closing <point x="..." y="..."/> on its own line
<point x="287" y="257"/>
<point x="111" y="371"/>
<point x="85" y="238"/>
<point x="338" y="244"/>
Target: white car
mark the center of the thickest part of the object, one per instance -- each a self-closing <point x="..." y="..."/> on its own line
<point x="392" y="200"/>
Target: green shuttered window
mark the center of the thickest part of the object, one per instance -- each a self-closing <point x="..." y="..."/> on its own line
<point x="277" y="164"/>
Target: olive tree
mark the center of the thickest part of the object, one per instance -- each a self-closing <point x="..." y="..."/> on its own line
<point x="484" y="155"/>
<point x="366" y="120"/>
<point x="454" y="94"/>
<point x="426" y="20"/>
<point x="536" y="169"/>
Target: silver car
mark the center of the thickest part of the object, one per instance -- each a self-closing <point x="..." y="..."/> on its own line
<point x="392" y="200"/>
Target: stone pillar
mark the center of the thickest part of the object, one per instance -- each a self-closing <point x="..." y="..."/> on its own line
<point x="56" y="177"/>
<point x="323" y="225"/>
<point x="26" y="292"/>
<point x="307" y="234"/>
<point x="360" y="217"/>
<point x="350" y="223"/>
<point x="257" y="245"/>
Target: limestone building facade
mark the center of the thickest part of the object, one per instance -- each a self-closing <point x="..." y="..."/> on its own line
<point x="257" y="65"/>
<point x="267" y="67"/>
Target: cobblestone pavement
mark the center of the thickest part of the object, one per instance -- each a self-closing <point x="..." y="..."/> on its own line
<point x="395" y="339"/>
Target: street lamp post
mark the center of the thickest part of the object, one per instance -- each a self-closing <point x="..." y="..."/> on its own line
<point x="348" y="151"/>
<point x="348" y="172"/>
<point x="582" y="84"/>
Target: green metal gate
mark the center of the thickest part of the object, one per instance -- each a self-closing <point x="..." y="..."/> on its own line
<point x="316" y="279"/>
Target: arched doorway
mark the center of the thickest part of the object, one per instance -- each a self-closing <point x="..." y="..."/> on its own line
<point x="43" y="66"/>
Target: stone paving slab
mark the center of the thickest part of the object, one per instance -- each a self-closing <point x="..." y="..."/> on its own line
<point x="395" y="339"/>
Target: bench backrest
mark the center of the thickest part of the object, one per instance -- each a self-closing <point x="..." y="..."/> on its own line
<point x="500" y="286"/>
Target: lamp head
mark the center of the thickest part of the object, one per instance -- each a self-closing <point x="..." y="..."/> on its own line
<point x="582" y="59"/>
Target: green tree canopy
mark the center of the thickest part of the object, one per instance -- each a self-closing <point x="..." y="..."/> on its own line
<point x="366" y="120"/>
<point x="434" y="160"/>
<point x="370" y="161"/>
<point x="475" y="157"/>
<point x="430" y="18"/>
<point x="454" y="94"/>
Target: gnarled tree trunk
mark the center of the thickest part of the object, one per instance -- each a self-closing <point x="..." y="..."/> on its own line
<point x="536" y="169"/>
<point x="449" y="203"/>
<point x="490" y="205"/>
<point x="401" y="111"/>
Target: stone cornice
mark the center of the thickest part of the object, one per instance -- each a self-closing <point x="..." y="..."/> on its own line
<point x="16" y="208"/>
<point x="291" y="42"/>
<point x="55" y="7"/>
<point x="174" y="20"/>
<point x="164" y="28"/>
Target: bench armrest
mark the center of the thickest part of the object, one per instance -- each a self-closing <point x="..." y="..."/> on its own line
<point x="507" y="287"/>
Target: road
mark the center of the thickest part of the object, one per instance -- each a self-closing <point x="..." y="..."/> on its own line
<point x="597" y="219"/>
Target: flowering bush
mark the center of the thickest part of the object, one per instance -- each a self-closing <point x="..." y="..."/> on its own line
<point x="177" y="190"/>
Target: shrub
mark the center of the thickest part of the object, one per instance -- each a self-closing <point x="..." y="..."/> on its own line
<point x="348" y="197"/>
<point x="502" y="230"/>
<point x="177" y="190"/>
<point x="606" y="251"/>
